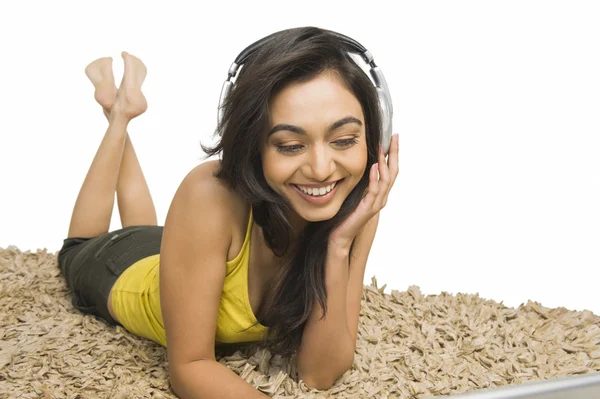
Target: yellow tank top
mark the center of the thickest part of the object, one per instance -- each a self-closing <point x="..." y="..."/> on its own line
<point x="136" y="300"/>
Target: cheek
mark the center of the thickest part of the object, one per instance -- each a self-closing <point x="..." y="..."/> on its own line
<point x="274" y="171"/>
<point x="359" y="164"/>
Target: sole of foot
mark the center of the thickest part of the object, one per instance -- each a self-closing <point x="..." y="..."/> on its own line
<point x="130" y="101"/>
<point x="100" y="73"/>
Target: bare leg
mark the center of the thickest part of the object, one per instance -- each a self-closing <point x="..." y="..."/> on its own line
<point x="133" y="195"/>
<point x="93" y="208"/>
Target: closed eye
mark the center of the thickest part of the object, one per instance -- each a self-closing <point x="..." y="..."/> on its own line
<point x="294" y="148"/>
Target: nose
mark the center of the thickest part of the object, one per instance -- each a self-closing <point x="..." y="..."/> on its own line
<point x="320" y="163"/>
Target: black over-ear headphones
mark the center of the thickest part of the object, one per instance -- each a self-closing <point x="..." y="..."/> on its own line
<point x="352" y="46"/>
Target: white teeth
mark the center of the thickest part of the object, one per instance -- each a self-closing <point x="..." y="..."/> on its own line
<point x="317" y="191"/>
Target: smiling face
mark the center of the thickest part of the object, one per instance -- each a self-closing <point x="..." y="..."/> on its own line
<point x="317" y="137"/>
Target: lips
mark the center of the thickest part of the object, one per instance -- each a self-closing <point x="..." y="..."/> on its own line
<point x="304" y="188"/>
<point x="320" y="199"/>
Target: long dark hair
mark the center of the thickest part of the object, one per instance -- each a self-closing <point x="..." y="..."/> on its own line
<point x="293" y="55"/>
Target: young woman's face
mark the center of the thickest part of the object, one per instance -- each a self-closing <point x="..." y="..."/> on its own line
<point x="317" y="137"/>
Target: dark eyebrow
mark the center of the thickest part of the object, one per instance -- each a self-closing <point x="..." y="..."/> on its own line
<point x="299" y="130"/>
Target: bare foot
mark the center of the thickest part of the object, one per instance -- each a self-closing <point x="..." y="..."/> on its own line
<point x="130" y="101"/>
<point x="101" y="75"/>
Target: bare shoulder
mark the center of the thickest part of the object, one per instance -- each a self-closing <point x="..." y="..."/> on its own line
<point x="223" y="198"/>
<point x="202" y="177"/>
<point x="203" y="174"/>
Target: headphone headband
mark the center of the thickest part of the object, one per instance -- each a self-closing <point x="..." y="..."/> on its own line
<point x="352" y="46"/>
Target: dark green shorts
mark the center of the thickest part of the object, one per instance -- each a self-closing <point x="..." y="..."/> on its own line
<point x="91" y="266"/>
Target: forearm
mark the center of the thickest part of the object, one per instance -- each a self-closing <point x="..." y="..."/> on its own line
<point x="211" y="379"/>
<point x="326" y="348"/>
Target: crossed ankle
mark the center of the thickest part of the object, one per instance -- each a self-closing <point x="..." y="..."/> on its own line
<point x="118" y="117"/>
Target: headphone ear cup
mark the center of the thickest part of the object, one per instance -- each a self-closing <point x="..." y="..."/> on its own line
<point x="386" y="120"/>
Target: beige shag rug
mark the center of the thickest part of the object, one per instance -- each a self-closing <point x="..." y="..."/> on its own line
<point x="409" y="345"/>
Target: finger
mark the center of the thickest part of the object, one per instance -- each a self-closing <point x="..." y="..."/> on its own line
<point x="373" y="188"/>
<point x="384" y="178"/>
<point x="392" y="166"/>
<point x="394" y="155"/>
<point x="384" y="170"/>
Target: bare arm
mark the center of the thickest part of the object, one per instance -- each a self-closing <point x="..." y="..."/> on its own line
<point x="358" y="264"/>
<point x="326" y="350"/>
<point x="194" y="247"/>
<point x="211" y="379"/>
<point x="331" y="355"/>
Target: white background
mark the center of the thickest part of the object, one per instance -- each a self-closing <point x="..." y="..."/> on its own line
<point x="497" y="105"/>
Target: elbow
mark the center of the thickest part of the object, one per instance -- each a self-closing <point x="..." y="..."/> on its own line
<point x="321" y="384"/>
<point x="175" y="385"/>
<point x="178" y="385"/>
<point x="324" y="381"/>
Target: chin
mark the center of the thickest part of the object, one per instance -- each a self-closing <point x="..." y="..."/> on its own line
<point x="317" y="216"/>
<point x="314" y="212"/>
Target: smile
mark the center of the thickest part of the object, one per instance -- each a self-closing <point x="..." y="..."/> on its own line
<point x="317" y="198"/>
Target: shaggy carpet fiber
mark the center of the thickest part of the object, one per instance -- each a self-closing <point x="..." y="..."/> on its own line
<point x="409" y="345"/>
